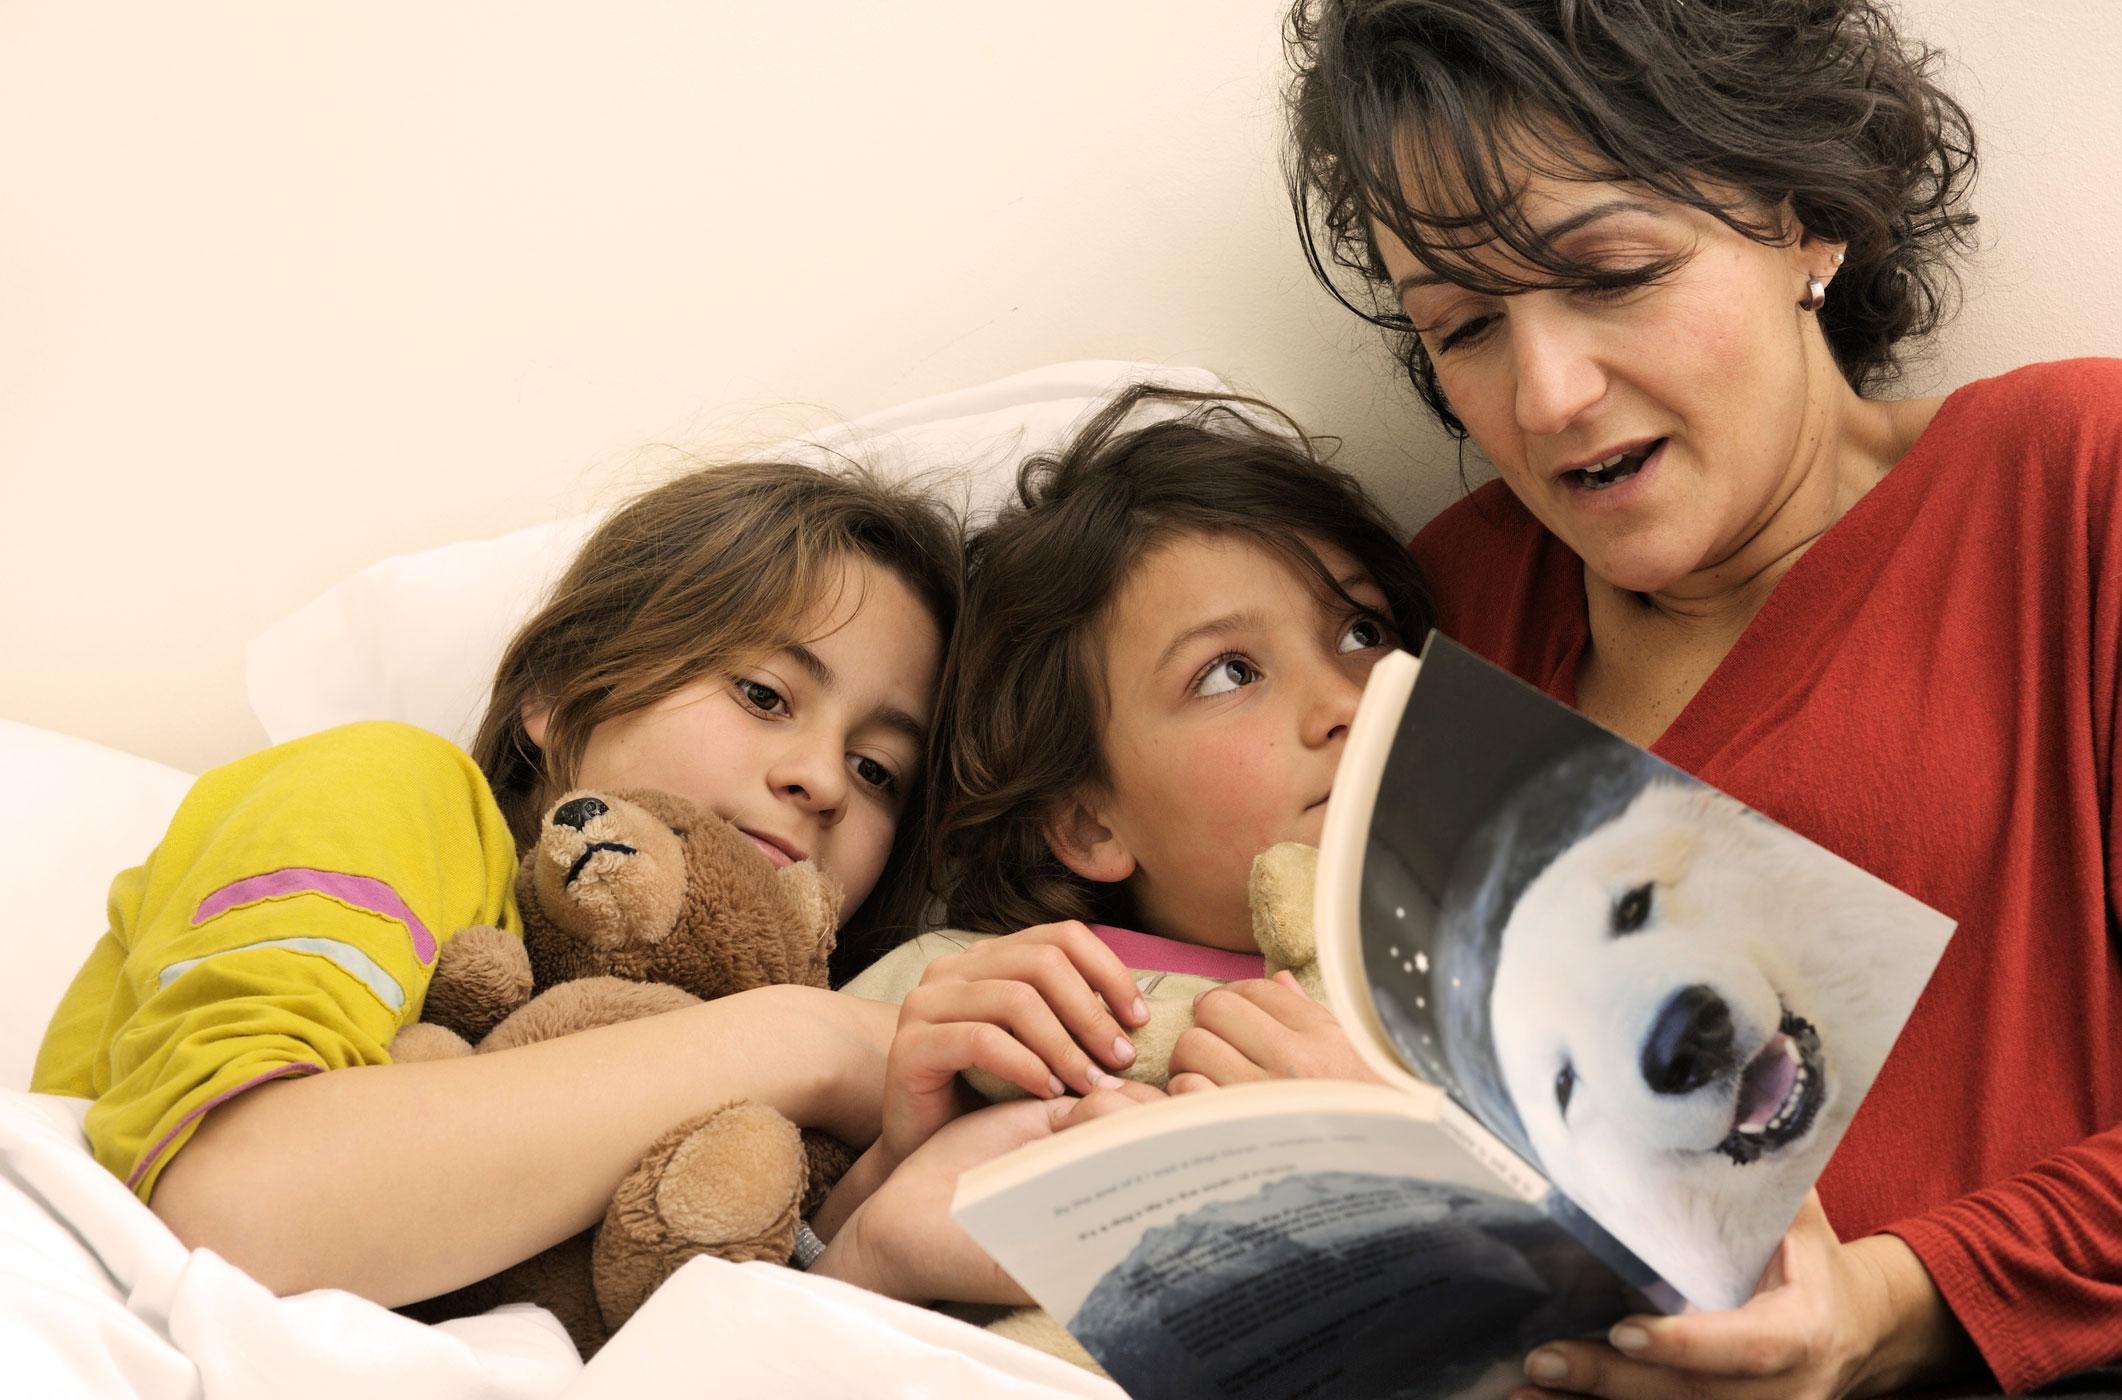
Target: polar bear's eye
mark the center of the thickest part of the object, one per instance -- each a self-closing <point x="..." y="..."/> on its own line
<point x="1565" y="1085"/>
<point x="1632" y="910"/>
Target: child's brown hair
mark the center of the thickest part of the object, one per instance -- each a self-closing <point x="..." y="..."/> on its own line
<point x="1022" y="704"/>
<point x="711" y="568"/>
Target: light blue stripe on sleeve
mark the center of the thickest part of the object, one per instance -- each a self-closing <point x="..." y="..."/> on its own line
<point x="350" y="960"/>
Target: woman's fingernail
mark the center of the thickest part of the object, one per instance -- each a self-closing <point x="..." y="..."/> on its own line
<point x="1123" y="1050"/>
<point x="1099" y="1079"/>
<point x="1629" y="1337"/>
<point x="1139" y="1012"/>
<point x="1054" y="1086"/>
<point x="1547" y="1365"/>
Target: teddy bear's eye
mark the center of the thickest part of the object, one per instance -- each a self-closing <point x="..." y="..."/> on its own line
<point x="680" y="832"/>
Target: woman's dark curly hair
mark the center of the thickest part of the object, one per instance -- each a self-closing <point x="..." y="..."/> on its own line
<point x="1022" y="705"/>
<point x="1732" y="107"/>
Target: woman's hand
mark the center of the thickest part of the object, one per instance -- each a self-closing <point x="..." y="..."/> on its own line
<point x="902" y="1242"/>
<point x="1041" y="1009"/>
<point x="1828" y="1320"/>
<point x="1267" y="1028"/>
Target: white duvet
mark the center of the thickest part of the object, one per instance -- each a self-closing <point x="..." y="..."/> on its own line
<point x="98" y="1299"/>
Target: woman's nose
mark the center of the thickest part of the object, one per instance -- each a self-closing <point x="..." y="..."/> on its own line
<point x="1557" y="378"/>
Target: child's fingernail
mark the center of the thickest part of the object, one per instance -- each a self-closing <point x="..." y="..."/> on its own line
<point x="1099" y="1079"/>
<point x="1058" y="1109"/>
<point x="1547" y="1365"/>
<point x="1629" y="1338"/>
<point x="1054" y="1086"/>
<point x="1123" y="1050"/>
<point x="1139" y="1012"/>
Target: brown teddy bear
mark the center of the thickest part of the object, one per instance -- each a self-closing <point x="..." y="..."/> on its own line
<point x="636" y="903"/>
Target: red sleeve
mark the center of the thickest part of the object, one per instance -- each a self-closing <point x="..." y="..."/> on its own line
<point x="2032" y="1265"/>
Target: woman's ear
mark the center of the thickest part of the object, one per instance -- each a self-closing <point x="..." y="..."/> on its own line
<point x="1079" y="838"/>
<point x="537" y="721"/>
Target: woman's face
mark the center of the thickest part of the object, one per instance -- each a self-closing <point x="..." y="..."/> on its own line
<point x="1656" y="432"/>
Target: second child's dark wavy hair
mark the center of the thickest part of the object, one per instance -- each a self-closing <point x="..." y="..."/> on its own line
<point x="1023" y="698"/>
<point x="1732" y="107"/>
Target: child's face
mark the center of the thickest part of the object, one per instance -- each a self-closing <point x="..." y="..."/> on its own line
<point x="1231" y="678"/>
<point x="812" y="750"/>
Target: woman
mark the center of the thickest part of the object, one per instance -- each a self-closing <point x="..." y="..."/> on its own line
<point x="1654" y="259"/>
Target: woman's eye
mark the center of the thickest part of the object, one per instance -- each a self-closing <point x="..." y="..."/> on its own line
<point x="1225" y="674"/>
<point x="1468" y="333"/>
<point x="1565" y="1086"/>
<point x="874" y="773"/>
<point x="1363" y="634"/>
<point x="761" y="697"/>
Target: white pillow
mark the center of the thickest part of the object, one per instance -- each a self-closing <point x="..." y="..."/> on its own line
<point x="417" y="637"/>
<point x="77" y="813"/>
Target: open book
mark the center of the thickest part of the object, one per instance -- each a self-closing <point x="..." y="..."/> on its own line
<point x="1624" y="1021"/>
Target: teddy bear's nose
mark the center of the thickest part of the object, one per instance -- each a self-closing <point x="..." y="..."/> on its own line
<point x="579" y="812"/>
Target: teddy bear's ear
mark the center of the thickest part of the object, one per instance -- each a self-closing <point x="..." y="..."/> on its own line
<point x="1281" y="894"/>
<point x="817" y="896"/>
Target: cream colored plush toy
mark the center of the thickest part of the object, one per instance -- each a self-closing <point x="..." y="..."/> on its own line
<point x="636" y="903"/>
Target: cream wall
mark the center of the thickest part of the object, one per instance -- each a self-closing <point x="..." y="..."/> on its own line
<point x="286" y="288"/>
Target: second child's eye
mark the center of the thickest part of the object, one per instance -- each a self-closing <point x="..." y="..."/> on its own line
<point x="1363" y="634"/>
<point x="1225" y="674"/>
<point x="873" y="773"/>
<point x="761" y="697"/>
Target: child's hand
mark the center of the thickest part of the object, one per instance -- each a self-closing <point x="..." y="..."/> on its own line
<point x="1263" y="1029"/>
<point x="1041" y="1009"/>
<point x="902" y="1241"/>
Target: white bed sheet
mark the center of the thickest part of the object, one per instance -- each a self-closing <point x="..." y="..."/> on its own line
<point x="98" y="1299"/>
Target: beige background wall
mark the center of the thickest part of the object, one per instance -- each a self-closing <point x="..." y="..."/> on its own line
<point x="287" y="288"/>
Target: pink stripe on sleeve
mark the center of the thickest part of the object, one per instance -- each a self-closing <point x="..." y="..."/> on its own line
<point x="361" y="891"/>
<point x="304" y="1067"/>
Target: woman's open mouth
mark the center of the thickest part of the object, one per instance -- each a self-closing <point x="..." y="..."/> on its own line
<point x="1780" y="1093"/>
<point x="1614" y="470"/>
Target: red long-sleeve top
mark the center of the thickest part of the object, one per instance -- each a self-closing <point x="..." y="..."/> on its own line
<point x="1932" y="692"/>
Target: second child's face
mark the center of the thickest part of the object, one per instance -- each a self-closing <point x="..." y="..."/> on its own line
<point x="812" y="750"/>
<point x="1231" y="678"/>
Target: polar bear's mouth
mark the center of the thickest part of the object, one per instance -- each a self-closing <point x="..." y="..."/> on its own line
<point x="591" y="849"/>
<point x="1780" y="1093"/>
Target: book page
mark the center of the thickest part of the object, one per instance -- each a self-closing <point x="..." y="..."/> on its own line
<point x="1665" y="1003"/>
<point x="1274" y="1248"/>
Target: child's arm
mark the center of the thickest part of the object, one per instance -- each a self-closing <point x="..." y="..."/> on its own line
<point x="1262" y="1029"/>
<point x="902" y="1241"/>
<point x="399" y="1182"/>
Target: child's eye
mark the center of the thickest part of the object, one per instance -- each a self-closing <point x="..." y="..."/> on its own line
<point x="763" y="698"/>
<point x="1363" y="634"/>
<point x="1225" y="674"/>
<point x="874" y="773"/>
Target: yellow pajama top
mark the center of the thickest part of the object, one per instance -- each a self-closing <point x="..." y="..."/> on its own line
<point x="287" y="923"/>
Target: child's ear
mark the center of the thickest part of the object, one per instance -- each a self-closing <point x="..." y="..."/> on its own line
<point x="537" y="721"/>
<point x="1079" y="838"/>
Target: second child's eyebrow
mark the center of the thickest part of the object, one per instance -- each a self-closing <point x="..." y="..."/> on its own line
<point x="886" y="716"/>
<point x="1229" y="622"/>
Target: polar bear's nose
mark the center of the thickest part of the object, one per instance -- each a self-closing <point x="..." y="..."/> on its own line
<point x="1690" y="1042"/>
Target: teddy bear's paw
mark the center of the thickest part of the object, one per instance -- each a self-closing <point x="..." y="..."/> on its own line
<point x="582" y="1005"/>
<point x="424" y="1041"/>
<point x="728" y="1184"/>
<point x="481" y="975"/>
